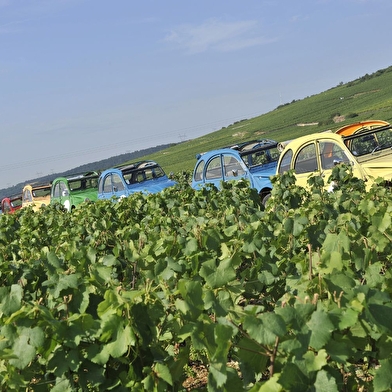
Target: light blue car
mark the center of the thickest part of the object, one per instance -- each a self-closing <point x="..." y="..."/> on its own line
<point x="254" y="160"/>
<point x="122" y="181"/>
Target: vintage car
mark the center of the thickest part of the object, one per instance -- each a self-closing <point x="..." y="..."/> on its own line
<point x="11" y="204"/>
<point x="36" y="195"/>
<point x="254" y="160"/>
<point x="122" y="181"/>
<point x="367" y="151"/>
<point x="72" y="190"/>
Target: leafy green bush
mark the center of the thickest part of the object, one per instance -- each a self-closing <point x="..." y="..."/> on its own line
<point x="121" y="296"/>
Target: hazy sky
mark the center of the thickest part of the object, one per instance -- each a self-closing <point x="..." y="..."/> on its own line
<point x="83" y="80"/>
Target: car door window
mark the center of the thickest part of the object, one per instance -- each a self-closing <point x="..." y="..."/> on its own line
<point x="306" y="161"/>
<point x="285" y="163"/>
<point x="56" y="190"/>
<point x="107" y="184"/>
<point x="331" y="154"/>
<point x="198" y="176"/>
<point x="27" y="196"/>
<point x="214" y="169"/>
<point x="63" y="189"/>
<point x="232" y="167"/>
<point x="6" y="206"/>
<point x="117" y="183"/>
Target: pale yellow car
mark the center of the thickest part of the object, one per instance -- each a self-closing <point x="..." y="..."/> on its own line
<point x="36" y="195"/>
<point x="368" y="151"/>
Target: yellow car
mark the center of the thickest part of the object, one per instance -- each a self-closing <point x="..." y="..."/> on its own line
<point x="36" y="196"/>
<point x="368" y="151"/>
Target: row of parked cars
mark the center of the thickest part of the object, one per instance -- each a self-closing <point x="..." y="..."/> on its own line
<point x="70" y="191"/>
<point x="365" y="146"/>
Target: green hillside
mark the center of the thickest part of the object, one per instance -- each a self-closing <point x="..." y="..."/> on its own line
<point x="369" y="97"/>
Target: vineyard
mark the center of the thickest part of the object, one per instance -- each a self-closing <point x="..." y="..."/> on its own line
<point x="138" y="295"/>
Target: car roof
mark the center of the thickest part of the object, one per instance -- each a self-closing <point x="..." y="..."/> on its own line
<point x="14" y="197"/>
<point x="313" y="136"/>
<point x="136" y="165"/>
<point x="37" y="186"/>
<point x="361" y="126"/>
<point x="243" y="148"/>
<point x="78" y="176"/>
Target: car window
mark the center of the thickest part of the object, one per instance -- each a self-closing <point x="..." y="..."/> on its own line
<point x="214" y="168"/>
<point x="148" y="174"/>
<point x="369" y="143"/>
<point x="42" y="192"/>
<point x="75" y="185"/>
<point x="384" y="138"/>
<point x="198" y="176"/>
<point x="63" y="188"/>
<point x="6" y="206"/>
<point x="306" y="161"/>
<point x="285" y="162"/>
<point x="16" y="202"/>
<point x="56" y="190"/>
<point x="140" y="176"/>
<point x="117" y="183"/>
<point x="27" y="195"/>
<point x="232" y="166"/>
<point x="331" y="154"/>
<point x="363" y="145"/>
<point x="157" y="172"/>
<point x="107" y="184"/>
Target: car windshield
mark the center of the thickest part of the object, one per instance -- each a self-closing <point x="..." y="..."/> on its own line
<point x="364" y="143"/>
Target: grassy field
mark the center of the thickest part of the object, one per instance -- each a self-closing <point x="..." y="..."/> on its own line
<point x="369" y="97"/>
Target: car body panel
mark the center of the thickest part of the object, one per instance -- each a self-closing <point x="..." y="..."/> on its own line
<point x="72" y="190"/>
<point x="368" y="151"/>
<point x="254" y="160"/>
<point x="11" y="204"/>
<point x="122" y="181"/>
<point x="36" y="195"/>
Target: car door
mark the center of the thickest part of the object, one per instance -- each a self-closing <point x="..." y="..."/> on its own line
<point x="213" y="171"/>
<point x="118" y="186"/>
<point x="112" y="186"/>
<point x="305" y="163"/>
<point x="6" y="206"/>
<point x="233" y="168"/>
<point x="65" y="196"/>
<point x="319" y="157"/>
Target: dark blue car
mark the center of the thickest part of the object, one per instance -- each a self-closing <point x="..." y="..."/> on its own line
<point x="254" y="160"/>
<point x="122" y="181"/>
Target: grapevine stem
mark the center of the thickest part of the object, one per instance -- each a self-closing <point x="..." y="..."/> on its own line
<point x="273" y="356"/>
<point x="310" y="262"/>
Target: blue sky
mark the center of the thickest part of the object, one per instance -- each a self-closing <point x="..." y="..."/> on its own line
<point x="83" y="80"/>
